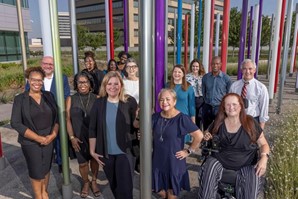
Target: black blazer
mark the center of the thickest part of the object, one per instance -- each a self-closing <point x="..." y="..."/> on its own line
<point x="126" y="114"/>
<point x="21" y="119"/>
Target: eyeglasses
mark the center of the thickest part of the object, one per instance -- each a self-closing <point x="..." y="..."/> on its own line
<point x="83" y="83"/>
<point x="33" y="80"/>
<point x="49" y="64"/>
<point x="131" y="67"/>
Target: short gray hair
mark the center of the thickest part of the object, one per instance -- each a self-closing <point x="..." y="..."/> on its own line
<point x="248" y="61"/>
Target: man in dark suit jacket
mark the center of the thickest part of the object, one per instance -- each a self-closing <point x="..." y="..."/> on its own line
<point x="47" y="64"/>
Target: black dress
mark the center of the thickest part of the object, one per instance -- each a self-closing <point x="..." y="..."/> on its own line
<point x="81" y="105"/>
<point x="39" y="157"/>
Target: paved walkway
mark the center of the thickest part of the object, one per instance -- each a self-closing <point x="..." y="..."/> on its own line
<point x="14" y="180"/>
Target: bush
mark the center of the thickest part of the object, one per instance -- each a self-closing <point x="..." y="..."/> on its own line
<point x="282" y="172"/>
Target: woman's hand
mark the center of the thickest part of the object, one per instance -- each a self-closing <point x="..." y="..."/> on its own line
<point x="75" y="142"/>
<point x="261" y="166"/>
<point x="48" y="139"/>
<point x="97" y="158"/>
<point x="207" y="136"/>
<point x="182" y="154"/>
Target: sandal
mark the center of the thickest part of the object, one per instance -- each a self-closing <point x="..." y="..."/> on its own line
<point x="95" y="190"/>
<point x="85" y="189"/>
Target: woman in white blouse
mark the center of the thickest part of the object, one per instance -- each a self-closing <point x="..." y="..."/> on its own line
<point x="131" y="82"/>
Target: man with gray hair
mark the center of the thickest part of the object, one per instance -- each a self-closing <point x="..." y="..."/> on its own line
<point x="253" y="92"/>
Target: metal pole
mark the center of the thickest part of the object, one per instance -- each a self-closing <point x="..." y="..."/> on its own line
<point x="281" y="31"/>
<point x="175" y="38"/>
<point x="274" y="51"/>
<point x="125" y="26"/>
<point x="74" y="37"/>
<point x="66" y="187"/>
<point x="45" y="28"/>
<point x="160" y="48"/>
<point x="145" y="41"/>
<point x="270" y="46"/>
<point x="242" y="37"/>
<point x="294" y="43"/>
<point x="255" y="33"/>
<point x="211" y="33"/>
<point x="111" y="29"/>
<point x="207" y="14"/>
<point x="225" y="35"/>
<point x="166" y="44"/>
<point x="249" y="32"/>
<point x="285" y="55"/>
<point x="179" y="32"/>
<point x="199" y="27"/>
<point x="2" y="158"/>
<point x="217" y="34"/>
<point x="21" y="33"/>
<point x="259" y="35"/>
<point x="108" y="47"/>
<point x="192" y="32"/>
<point x="186" y="43"/>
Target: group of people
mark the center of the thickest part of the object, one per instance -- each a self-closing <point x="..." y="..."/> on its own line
<point x="102" y="124"/>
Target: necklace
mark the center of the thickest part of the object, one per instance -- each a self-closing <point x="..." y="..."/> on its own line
<point x="164" y="123"/>
<point x="85" y="107"/>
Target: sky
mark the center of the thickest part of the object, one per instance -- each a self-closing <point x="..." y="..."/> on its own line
<point x="268" y="9"/>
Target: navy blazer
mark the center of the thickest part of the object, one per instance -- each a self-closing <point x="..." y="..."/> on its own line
<point x="53" y="87"/>
<point x="21" y="119"/>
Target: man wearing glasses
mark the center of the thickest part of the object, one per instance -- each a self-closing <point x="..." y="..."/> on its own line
<point x="47" y="64"/>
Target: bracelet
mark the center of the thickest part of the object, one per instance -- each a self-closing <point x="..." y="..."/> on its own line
<point x="267" y="155"/>
<point x="71" y="137"/>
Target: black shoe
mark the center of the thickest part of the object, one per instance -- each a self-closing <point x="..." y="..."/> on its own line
<point x="60" y="168"/>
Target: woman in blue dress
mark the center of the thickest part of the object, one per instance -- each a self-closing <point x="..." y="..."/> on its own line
<point x="185" y="93"/>
<point x="169" y="174"/>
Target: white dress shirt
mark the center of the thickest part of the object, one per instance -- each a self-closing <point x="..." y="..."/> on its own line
<point x="257" y="96"/>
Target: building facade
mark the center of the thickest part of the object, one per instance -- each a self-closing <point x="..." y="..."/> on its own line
<point x="91" y="14"/>
<point x="10" y="42"/>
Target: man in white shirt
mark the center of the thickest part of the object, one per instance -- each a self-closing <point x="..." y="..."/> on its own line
<point x="255" y="93"/>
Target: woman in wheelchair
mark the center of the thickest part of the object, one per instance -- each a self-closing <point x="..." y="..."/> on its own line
<point x="240" y="140"/>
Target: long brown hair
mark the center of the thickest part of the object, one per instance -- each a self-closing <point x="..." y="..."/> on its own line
<point x="107" y="77"/>
<point x="184" y="84"/>
<point x="246" y="121"/>
<point x="201" y="67"/>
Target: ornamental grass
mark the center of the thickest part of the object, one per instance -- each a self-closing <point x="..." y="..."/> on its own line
<point x="282" y="171"/>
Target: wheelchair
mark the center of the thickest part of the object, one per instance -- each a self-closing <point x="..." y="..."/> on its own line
<point x="226" y="186"/>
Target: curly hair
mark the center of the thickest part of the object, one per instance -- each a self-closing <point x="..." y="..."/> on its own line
<point x="91" y="55"/>
<point x="35" y="69"/>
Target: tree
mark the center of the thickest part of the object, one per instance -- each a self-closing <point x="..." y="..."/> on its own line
<point x="82" y="36"/>
<point x="266" y="31"/>
<point x="234" y="28"/>
<point x="95" y="40"/>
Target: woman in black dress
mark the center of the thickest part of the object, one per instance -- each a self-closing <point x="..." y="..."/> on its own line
<point x="78" y="109"/>
<point x="34" y="117"/>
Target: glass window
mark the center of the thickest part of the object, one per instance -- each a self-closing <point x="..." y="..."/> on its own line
<point x="11" y="2"/>
<point x="11" y="43"/>
<point x="2" y="44"/>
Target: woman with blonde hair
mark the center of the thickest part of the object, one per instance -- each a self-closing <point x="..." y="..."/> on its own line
<point x="110" y="131"/>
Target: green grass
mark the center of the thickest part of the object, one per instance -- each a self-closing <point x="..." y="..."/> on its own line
<point x="282" y="171"/>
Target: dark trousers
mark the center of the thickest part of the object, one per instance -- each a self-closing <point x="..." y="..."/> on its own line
<point x="209" y="114"/>
<point x="57" y="148"/>
<point x="119" y="171"/>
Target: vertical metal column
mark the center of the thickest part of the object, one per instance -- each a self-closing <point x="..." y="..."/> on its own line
<point x="108" y="47"/>
<point x="192" y="32"/>
<point x="125" y="25"/>
<point x="294" y="43"/>
<point x="179" y="32"/>
<point x="74" y="37"/>
<point x="199" y="28"/>
<point x="111" y="29"/>
<point x="249" y="32"/>
<point x="217" y="34"/>
<point x="259" y="35"/>
<point x="285" y="55"/>
<point x="211" y="33"/>
<point x="66" y="187"/>
<point x="146" y="56"/>
<point x="207" y="13"/>
<point x="225" y="35"/>
<point x="21" y="33"/>
<point x="186" y="42"/>
<point x="45" y="28"/>
<point x="242" y="36"/>
<point x="255" y="34"/>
